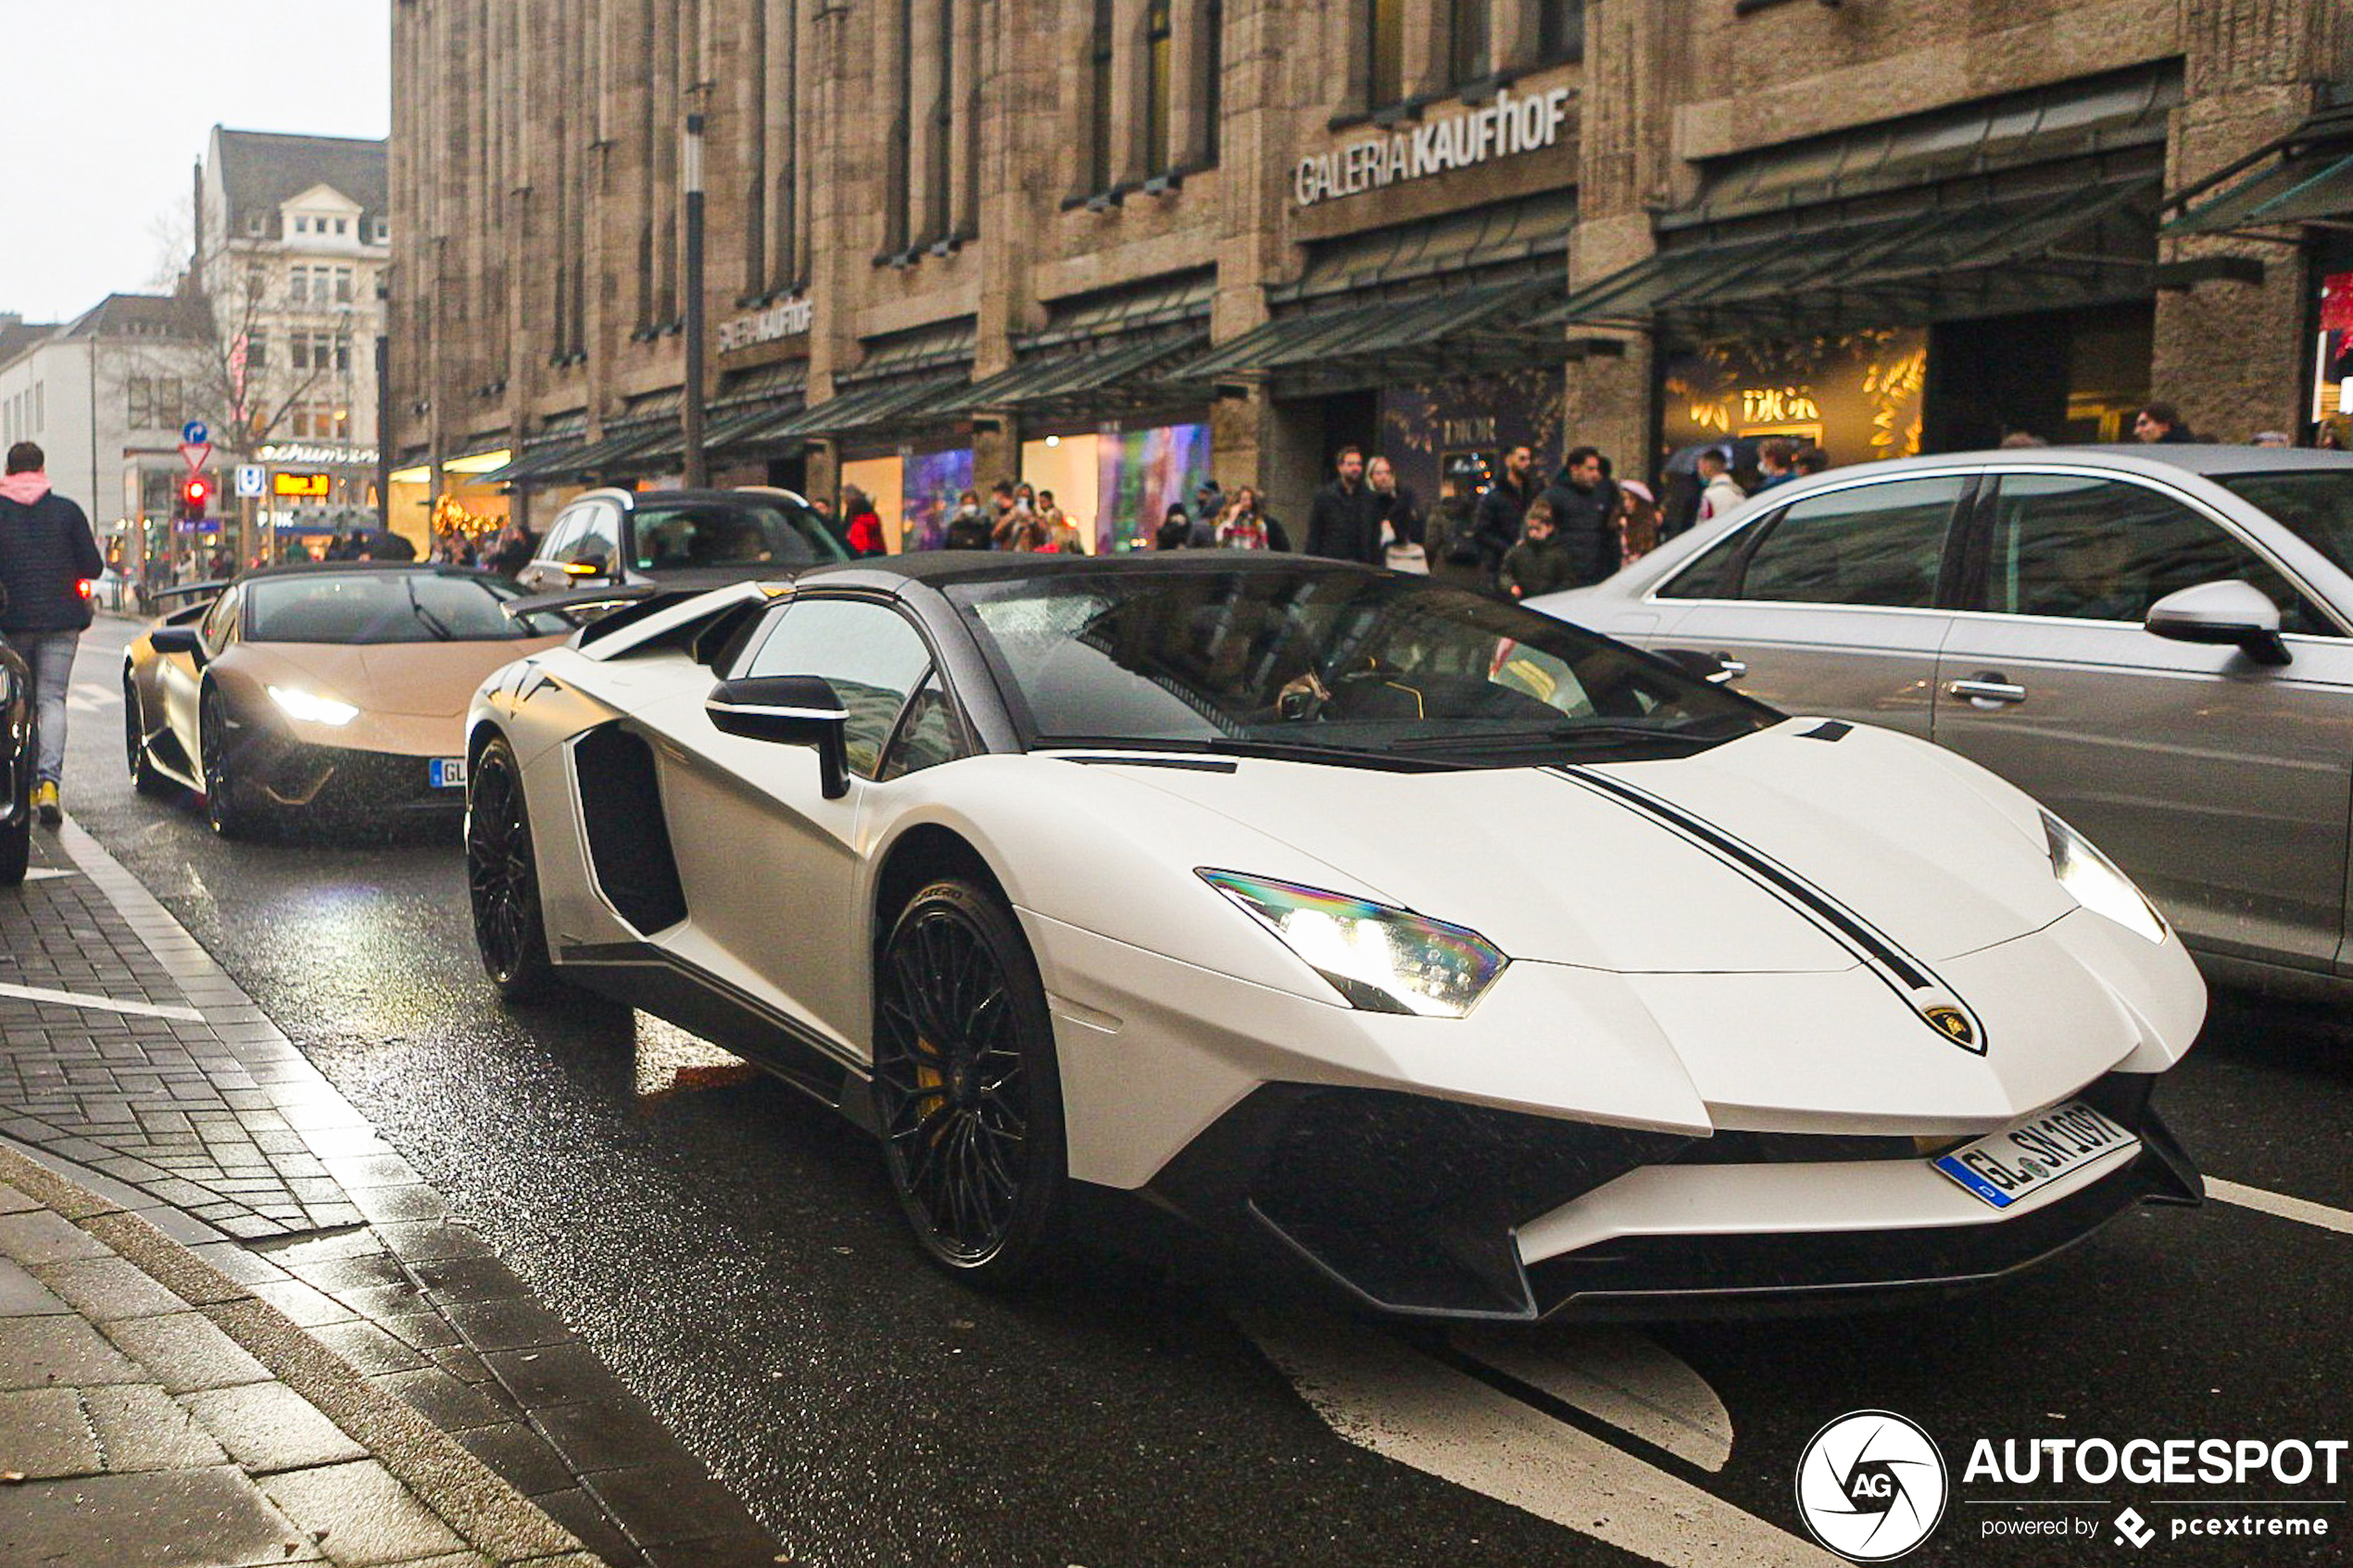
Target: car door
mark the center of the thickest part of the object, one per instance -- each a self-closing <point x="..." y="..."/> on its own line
<point x="768" y="864"/>
<point x="180" y="676"/>
<point x="1830" y="604"/>
<point x="2221" y="784"/>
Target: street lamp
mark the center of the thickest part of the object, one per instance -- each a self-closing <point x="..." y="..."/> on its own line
<point x="697" y="475"/>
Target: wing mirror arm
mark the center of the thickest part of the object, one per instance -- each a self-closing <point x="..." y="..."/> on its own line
<point x="2231" y="614"/>
<point x="789" y="710"/>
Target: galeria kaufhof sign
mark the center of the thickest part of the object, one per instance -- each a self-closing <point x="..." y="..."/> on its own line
<point x="1503" y="129"/>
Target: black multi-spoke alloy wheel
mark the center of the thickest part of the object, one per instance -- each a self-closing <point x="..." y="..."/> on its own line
<point x="966" y="1091"/>
<point x="224" y="805"/>
<point x="145" y="777"/>
<point x="502" y="878"/>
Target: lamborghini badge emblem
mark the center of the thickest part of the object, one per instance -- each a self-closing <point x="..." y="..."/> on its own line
<point x="1955" y="1023"/>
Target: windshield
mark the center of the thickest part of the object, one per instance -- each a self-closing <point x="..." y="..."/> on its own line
<point x="388" y="607"/>
<point x="774" y="531"/>
<point x="1350" y="666"/>
<point x="2316" y="505"/>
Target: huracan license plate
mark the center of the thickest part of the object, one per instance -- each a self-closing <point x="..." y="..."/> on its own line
<point x="2005" y="1166"/>
<point x="449" y="772"/>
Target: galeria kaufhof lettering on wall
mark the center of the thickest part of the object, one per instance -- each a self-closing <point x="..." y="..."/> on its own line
<point x="1503" y="129"/>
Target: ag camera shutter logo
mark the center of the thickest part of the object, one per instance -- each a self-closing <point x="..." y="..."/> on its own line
<point x="1871" y="1486"/>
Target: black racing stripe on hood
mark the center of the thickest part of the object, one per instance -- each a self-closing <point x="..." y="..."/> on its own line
<point x="1910" y="978"/>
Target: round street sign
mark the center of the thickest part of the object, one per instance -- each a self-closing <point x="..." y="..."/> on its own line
<point x="194" y="433"/>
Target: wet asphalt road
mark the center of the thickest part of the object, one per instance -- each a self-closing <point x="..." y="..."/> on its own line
<point x="735" y="1255"/>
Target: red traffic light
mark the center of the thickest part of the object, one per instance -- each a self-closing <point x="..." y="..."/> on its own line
<point x="195" y="492"/>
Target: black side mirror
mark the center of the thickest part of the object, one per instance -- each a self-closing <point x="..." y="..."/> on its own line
<point x="790" y="710"/>
<point x="177" y="639"/>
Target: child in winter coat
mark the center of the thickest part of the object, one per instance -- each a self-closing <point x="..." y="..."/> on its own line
<point x="1539" y="563"/>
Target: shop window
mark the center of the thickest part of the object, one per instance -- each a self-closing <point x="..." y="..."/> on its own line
<point x="1384" y="51"/>
<point x="1467" y="26"/>
<point x="1560" y="31"/>
<point x="1159" y="86"/>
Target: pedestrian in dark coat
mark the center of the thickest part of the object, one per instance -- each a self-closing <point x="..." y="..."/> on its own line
<point x="48" y="560"/>
<point x="1496" y="523"/>
<point x="1344" y="522"/>
<point x="1584" y="505"/>
<point x="1539" y="563"/>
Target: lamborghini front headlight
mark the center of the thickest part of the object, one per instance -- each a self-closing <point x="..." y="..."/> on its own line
<point x="1381" y="959"/>
<point x="2095" y="883"/>
<point x="308" y="706"/>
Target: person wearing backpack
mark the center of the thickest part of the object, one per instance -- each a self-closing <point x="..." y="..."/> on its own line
<point x="48" y="560"/>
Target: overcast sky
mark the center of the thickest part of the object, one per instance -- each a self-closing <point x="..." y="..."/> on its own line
<point x="108" y="103"/>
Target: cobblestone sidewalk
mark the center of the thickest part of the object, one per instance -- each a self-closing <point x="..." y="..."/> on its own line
<point x="135" y="1067"/>
<point x="155" y="1412"/>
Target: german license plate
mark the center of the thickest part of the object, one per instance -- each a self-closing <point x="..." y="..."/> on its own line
<point x="2049" y="1147"/>
<point x="449" y="772"/>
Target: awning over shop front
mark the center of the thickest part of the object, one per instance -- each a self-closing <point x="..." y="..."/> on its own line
<point x="1126" y="372"/>
<point x="2304" y="179"/>
<point x="1476" y="330"/>
<point x="899" y="401"/>
<point x="1839" y="267"/>
<point x="558" y="441"/>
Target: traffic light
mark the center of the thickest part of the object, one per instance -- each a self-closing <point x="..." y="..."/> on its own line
<point x="195" y="498"/>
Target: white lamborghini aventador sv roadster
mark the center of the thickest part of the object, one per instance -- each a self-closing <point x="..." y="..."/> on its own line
<point x="1484" y="966"/>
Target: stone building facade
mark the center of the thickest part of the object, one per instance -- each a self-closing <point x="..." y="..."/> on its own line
<point x="1122" y="244"/>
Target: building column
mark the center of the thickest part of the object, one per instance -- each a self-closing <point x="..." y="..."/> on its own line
<point x="2231" y="356"/>
<point x="995" y="449"/>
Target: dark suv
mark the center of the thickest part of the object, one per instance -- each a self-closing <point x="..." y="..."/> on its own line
<point x="679" y="538"/>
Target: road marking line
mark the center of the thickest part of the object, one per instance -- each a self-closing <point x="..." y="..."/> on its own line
<point x="99" y="1004"/>
<point x="1620" y="1376"/>
<point x="2281" y="1206"/>
<point x="1379" y="1394"/>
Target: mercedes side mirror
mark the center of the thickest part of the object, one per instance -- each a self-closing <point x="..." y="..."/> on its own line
<point x="790" y="710"/>
<point x="2238" y="614"/>
<point x="177" y="639"/>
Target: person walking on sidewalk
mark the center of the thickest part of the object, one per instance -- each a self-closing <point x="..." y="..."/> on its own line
<point x="46" y="556"/>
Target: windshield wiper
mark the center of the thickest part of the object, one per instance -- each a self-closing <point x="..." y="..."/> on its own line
<point x="1565" y="734"/>
<point x="434" y="623"/>
<point x="1223" y="745"/>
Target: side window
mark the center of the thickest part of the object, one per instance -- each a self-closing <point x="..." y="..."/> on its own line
<point x="220" y="619"/>
<point x="562" y="534"/>
<point x="597" y="538"/>
<point x="2101" y="549"/>
<point x="1870" y="544"/>
<point x="872" y="656"/>
<point x="1708" y="577"/>
<point x="929" y="736"/>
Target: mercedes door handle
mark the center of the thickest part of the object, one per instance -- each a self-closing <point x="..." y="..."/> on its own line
<point x="1987" y="689"/>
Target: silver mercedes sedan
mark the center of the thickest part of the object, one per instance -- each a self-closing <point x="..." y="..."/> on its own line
<point x="2156" y="642"/>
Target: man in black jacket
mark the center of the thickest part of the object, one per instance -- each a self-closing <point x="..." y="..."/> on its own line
<point x="1584" y="507"/>
<point x="1497" y="521"/>
<point x="47" y="557"/>
<point x="1344" y="522"/>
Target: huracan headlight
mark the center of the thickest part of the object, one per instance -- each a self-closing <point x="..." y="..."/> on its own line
<point x="1381" y="959"/>
<point x="314" y="709"/>
<point x="2095" y="882"/>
